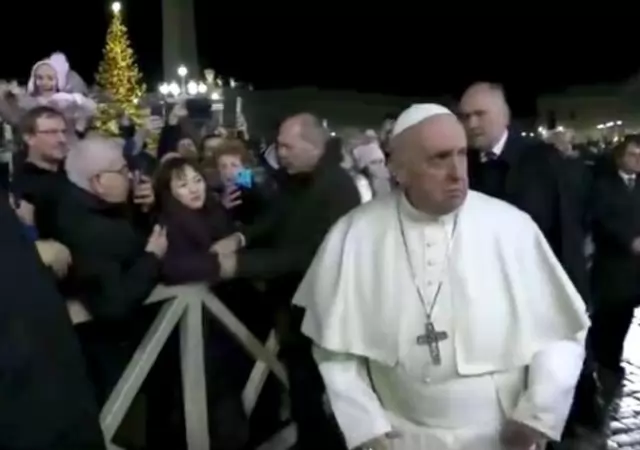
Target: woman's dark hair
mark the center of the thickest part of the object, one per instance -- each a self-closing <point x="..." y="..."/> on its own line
<point x="173" y="167"/>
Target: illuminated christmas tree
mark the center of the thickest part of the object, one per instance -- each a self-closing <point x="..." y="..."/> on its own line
<point x="119" y="77"/>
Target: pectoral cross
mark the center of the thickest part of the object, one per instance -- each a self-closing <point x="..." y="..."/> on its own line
<point x="432" y="338"/>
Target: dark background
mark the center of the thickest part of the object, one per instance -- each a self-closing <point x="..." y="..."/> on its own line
<point x="403" y="49"/>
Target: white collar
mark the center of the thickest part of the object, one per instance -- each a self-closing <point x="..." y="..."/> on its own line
<point x="627" y="176"/>
<point x="411" y="214"/>
<point x="499" y="147"/>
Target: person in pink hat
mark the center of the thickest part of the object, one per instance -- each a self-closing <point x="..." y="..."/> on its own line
<point x="52" y="82"/>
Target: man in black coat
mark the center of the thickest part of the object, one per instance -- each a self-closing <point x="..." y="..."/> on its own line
<point x="532" y="176"/>
<point x="47" y="401"/>
<point x="527" y="173"/>
<point x="616" y="262"/>
<point x="314" y="193"/>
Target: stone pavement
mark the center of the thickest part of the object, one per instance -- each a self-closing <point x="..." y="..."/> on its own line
<point x="624" y="427"/>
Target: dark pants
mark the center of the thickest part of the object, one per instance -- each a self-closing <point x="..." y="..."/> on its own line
<point x="108" y="348"/>
<point x="610" y="324"/>
<point x="316" y="429"/>
<point x="228" y="424"/>
<point x="586" y="411"/>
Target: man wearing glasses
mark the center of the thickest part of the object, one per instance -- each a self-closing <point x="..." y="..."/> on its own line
<point x="37" y="175"/>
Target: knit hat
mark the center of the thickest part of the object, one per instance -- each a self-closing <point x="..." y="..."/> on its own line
<point x="58" y="61"/>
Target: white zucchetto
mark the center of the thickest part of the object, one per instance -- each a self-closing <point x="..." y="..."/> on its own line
<point x="415" y="114"/>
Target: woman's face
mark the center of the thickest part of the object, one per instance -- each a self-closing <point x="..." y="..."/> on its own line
<point x="228" y="167"/>
<point x="46" y="79"/>
<point x="188" y="187"/>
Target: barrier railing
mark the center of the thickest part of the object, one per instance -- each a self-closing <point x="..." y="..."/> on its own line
<point x="183" y="306"/>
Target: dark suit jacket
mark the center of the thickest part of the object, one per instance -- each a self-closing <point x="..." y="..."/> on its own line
<point x="43" y="189"/>
<point x="293" y="230"/>
<point x="47" y="400"/>
<point x="112" y="273"/>
<point x="616" y="222"/>
<point x="532" y="176"/>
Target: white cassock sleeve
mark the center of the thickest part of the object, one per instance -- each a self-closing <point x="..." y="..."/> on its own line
<point x="552" y="377"/>
<point x="355" y="405"/>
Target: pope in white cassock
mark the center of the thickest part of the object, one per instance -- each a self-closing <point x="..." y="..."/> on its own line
<point x="440" y="316"/>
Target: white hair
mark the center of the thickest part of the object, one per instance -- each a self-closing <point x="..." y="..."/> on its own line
<point x="89" y="157"/>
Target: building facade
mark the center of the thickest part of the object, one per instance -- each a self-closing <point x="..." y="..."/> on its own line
<point x="264" y="109"/>
<point x="593" y="112"/>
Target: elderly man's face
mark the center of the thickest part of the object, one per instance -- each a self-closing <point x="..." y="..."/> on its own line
<point x="430" y="163"/>
<point x="113" y="183"/>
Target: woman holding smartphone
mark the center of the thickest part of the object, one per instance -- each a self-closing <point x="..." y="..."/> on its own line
<point x="242" y="187"/>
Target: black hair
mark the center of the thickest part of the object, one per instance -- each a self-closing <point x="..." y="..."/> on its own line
<point x="619" y="150"/>
<point x="176" y="166"/>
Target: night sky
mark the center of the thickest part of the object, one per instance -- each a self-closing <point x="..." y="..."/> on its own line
<point x="280" y="47"/>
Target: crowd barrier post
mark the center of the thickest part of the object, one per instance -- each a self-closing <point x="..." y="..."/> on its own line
<point x="183" y="306"/>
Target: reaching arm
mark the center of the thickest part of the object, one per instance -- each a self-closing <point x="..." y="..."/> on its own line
<point x="355" y="406"/>
<point x="264" y="225"/>
<point x="111" y="292"/>
<point x="296" y="256"/>
<point x="552" y="378"/>
<point x="168" y="141"/>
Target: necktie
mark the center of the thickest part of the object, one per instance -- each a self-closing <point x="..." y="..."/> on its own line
<point x="631" y="182"/>
<point x="488" y="156"/>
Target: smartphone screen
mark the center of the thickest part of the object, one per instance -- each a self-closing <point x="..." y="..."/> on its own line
<point x="244" y="179"/>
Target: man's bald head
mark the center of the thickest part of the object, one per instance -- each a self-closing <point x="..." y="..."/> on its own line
<point x="309" y="127"/>
<point x="93" y="157"/>
<point x="429" y="161"/>
<point x="301" y="142"/>
<point x="485" y="88"/>
<point x="485" y="114"/>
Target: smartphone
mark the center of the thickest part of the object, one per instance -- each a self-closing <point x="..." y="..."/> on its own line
<point x="244" y="179"/>
<point x="136" y="176"/>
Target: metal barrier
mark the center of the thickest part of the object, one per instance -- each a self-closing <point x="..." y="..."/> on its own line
<point x="184" y="304"/>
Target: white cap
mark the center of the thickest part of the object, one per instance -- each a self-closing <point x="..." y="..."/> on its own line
<point x="415" y="114"/>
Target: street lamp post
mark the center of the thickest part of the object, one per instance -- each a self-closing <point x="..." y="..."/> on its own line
<point x="174" y="89"/>
<point x="182" y="73"/>
<point x="192" y="88"/>
<point x="165" y="90"/>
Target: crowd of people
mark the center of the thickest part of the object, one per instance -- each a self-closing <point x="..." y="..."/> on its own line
<point x="505" y="344"/>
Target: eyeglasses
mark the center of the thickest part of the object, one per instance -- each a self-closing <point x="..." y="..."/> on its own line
<point x="52" y="132"/>
<point x="124" y="171"/>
